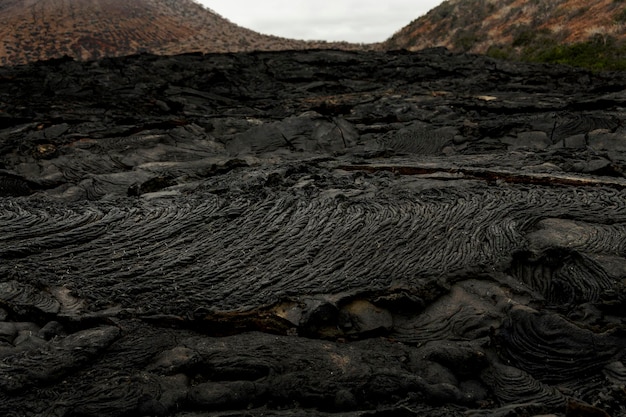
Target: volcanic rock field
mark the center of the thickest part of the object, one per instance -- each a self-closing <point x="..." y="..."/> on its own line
<point x="317" y="233"/>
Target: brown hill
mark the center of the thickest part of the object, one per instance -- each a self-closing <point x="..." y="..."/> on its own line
<point x="89" y="29"/>
<point x="521" y="28"/>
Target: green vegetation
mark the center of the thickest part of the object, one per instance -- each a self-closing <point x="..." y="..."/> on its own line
<point x="600" y="53"/>
<point x="444" y="10"/>
<point x="464" y="40"/>
<point x="526" y="36"/>
<point x="621" y="17"/>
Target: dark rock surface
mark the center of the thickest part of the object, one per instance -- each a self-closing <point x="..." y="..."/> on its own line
<point x="312" y="233"/>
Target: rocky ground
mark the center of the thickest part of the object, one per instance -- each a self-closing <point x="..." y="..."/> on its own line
<point x="312" y="233"/>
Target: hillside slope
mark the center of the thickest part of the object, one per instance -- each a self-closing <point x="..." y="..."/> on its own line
<point x="91" y="29"/>
<point x="518" y="28"/>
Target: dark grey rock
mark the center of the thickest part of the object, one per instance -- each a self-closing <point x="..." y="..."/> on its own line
<point x="603" y="140"/>
<point x="8" y="331"/>
<point x="530" y="140"/>
<point x="214" y="395"/>
<point x="26" y="339"/>
<point x="362" y="317"/>
<point x="311" y="233"/>
<point x="575" y="142"/>
<point x="51" y="330"/>
<point x="55" y="131"/>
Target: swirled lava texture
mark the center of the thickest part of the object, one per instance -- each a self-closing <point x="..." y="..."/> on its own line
<point x="312" y="233"/>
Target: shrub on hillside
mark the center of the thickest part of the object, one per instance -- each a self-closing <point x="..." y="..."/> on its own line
<point x="599" y="53"/>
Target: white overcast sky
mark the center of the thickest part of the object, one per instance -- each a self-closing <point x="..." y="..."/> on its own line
<point x="331" y="20"/>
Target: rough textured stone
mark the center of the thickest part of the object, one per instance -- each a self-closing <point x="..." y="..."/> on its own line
<point x="530" y="140"/>
<point x="362" y="317"/>
<point x="311" y="233"/>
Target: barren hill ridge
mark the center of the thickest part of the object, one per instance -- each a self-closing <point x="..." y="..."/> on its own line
<point x="89" y="29"/>
<point x="481" y="25"/>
